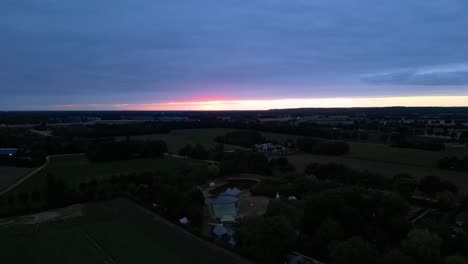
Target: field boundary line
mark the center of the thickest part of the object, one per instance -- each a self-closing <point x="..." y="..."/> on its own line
<point x="93" y="242"/>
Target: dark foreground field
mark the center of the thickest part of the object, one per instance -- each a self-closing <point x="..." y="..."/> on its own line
<point x="10" y="175"/>
<point x="116" y="231"/>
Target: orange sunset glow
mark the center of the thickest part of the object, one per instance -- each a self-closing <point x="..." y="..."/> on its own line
<point x="208" y="105"/>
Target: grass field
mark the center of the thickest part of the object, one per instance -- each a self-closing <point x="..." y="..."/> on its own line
<point x="375" y="157"/>
<point x="384" y="153"/>
<point x="10" y="175"/>
<point x="300" y="161"/>
<point x="116" y="231"/>
<point x="75" y="169"/>
<point x="359" y="150"/>
<point x="176" y="139"/>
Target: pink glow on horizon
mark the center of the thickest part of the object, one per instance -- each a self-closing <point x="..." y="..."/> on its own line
<point x="196" y="104"/>
<point x="265" y="104"/>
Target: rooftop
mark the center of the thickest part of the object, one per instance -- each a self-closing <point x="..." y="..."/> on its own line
<point x="8" y="151"/>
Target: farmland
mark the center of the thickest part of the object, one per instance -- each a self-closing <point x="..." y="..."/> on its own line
<point x="375" y="157"/>
<point x="76" y="169"/>
<point x="176" y="139"/>
<point x="10" y="175"/>
<point x="300" y="161"/>
<point x="115" y="231"/>
<point x="359" y="150"/>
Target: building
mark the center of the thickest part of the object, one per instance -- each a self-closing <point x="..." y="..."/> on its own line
<point x="8" y="152"/>
<point x="270" y="148"/>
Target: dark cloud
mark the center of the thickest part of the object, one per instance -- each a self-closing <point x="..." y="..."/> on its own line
<point x="80" y="51"/>
<point x="442" y="75"/>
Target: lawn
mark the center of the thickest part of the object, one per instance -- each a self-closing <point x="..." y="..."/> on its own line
<point x="10" y="175"/>
<point x="116" y="231"/>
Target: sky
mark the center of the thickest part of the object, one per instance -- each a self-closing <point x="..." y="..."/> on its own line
<point x="231" y="54"/>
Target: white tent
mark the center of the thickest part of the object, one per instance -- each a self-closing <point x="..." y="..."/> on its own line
<point x="219" y="230"/>
<point x="228" y="219"/>
<point x="184" y="220"/>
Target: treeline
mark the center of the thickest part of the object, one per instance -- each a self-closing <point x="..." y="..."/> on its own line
<point x="111" y="130"/>
<point x="453" y="163"/>
<point x="339" y="215"/>
<point x="111" y="150"/>
<point x="32" y="148"/>
<point x="172" y="193"/>
<point x="403" y="141"/>
<point x="247" y="139"/>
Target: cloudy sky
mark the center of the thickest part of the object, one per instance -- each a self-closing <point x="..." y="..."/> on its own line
<point x="180" y="54"/>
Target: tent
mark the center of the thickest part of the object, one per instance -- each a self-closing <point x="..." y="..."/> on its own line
<point x="231" y="192"/>
<point x="184" y="220"/>
<point x="228" y="219"/>
<point x="220" y="230"/>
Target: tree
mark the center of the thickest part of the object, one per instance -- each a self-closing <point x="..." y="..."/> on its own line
<point x="354" y="250"/>
<point x="277" y="207"/>
<point x="281" y="164"/>
<point x="446" y="200"/>
<point x="186" y="150"/>
<point x="396" y="257"/>
<point x="404" y="185"/>
<point x="266" y="239"/>
<point x="429" y="185"/>
<point x="423" y="246"/>
<point x="242" y="161"/>
<point x="328" y="233"/>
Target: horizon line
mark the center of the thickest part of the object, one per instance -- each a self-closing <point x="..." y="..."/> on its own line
<point x="262" y="104"/>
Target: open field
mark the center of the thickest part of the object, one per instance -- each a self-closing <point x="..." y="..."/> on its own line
<point x="10" y="175"/>
<point x="359" y="150"/>
<point x="116" y="231"/>
<point x="300" y="161"/>
<point x="176" y="139"/>
<point x="76" y="169"/>
<point x="384" y="153"/>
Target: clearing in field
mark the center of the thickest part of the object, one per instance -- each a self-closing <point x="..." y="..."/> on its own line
<point x="115" y="231"/>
